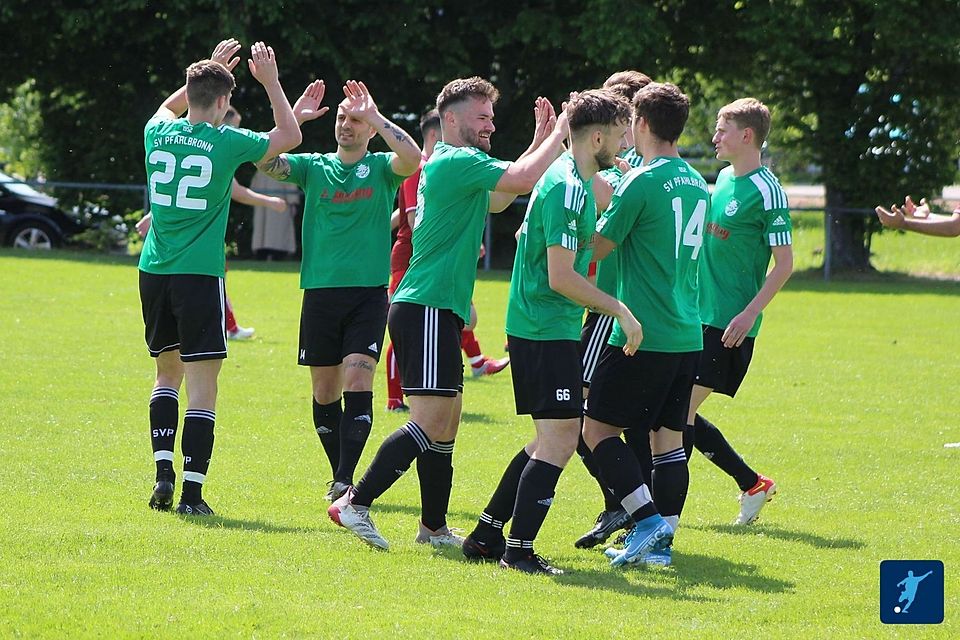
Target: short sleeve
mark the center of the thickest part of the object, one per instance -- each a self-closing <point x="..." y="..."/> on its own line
<point x="408" y="192"/>
<point x="624" y="210"/>
<point x="560" y="212"/>
<point x="246" y="145"/>
<point x="476" y="170"/>
<point x="394" y="180"/>
<point x="777" y="227"/>
<point x="299" y="162"/>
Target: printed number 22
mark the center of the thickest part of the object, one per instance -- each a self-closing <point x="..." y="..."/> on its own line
<point x="164" y="176"/>
<point x="692" y="234"/>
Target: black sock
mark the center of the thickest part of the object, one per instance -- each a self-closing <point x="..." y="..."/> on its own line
<point x="354" y="430"/>
<point x="538" y="483"/>
<point x="711" y="443"/>
<point x="197" y="447"/>
<point x="164" y="416"/>
<point x="500" y="507"/>
<point x="392" y="461"/>
<point x="435" y="472"/>
<point x="610" y="502"/>
<point x="671" y="479"/>
<point x="639" y="442"/>
<point x="326" y="420"/>
<point x="620" y="468"/>
<point x="689" y="437"/>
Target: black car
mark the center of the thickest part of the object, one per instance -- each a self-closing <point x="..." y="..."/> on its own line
<point x="30" y="219"/>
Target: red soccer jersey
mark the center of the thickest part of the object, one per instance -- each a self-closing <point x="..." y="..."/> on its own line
<point x="407" y="202"/>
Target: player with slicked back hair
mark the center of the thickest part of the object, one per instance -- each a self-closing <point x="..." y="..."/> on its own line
<point x="458" y="186"/>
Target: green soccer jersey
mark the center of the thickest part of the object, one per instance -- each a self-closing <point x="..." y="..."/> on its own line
<point x="561" y="211"/>
<point x="346" y="218"/>
<point x="749" y="215"/>
<point x="607" y="268"/>
<point x="452" y="203"/>
<point x="657" y="217"/>
<point x="190" y="171"/>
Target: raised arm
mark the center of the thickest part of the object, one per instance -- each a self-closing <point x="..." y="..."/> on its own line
<point x="741" y="324"/>
<point x="359" y="103"/>
<point x="286" y="133"/>
<point x="521" y="176"/>
<point x="176" y="104"/>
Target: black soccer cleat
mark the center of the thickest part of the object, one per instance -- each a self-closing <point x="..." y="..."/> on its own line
<point x="475" y="549"/>
<point x="199" y="509"/>
<point x="162" y="498"/>
<point x="532" y="563"/>
<point x="607" y="523"/>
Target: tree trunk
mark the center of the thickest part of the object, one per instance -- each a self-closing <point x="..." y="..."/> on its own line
<point x="846" y="231"/>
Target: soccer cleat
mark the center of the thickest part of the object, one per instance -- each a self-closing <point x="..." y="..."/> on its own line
<point x="162" y="498"/>
<point x="650" y="534"/>
<point x="663" y="558"/>
<point x="336" y="490"/>
<point x="607" y="523"/>
<point x="241" y="333"/>
<point x="488" y="367"/>
<point x="752" y="501"/>
<point x="356" y="520"/>
<point x="477" y="549"/>
<point x="397" y="406"/>
<point x="442" y="537"/>
<point x="532" y="563"/>
<point x="199" y="509"/>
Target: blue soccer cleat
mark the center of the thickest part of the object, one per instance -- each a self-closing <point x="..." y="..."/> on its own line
<point x="650" y="534"/>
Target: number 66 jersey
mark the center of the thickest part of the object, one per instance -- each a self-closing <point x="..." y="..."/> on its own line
<point x="190" y="171"/>
<point x="657" y="219"/>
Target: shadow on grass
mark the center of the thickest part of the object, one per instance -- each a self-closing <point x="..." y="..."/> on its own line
<point x="811" y="539"/>
<point x="217" y="522"/>
<point x="483" y="418"/>
<point x="689" y="571"/>
<point x="387" y="507"/>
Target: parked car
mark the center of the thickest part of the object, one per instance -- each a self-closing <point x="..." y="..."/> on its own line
<point x="32" y="220"/>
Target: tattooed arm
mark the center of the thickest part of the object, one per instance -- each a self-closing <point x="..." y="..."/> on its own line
<point x="359" y="104"/>
<point x="277" y="168"/>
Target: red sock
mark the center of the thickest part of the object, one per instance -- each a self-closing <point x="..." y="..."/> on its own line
<point x="470" y="346"/>
<point x="231" y="320"/>
<point x="394" y="392"/>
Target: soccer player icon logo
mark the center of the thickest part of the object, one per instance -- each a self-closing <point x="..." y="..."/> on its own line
<point x="903" y="599"/>
<point x="909" y="584"/>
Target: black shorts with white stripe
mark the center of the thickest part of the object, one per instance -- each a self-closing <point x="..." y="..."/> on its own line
<point x="426" y="342"/>
<point x="185" y="312"/>
<point x="594" y="335"/>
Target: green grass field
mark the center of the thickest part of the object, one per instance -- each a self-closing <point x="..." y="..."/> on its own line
<point x="848" y="405"/>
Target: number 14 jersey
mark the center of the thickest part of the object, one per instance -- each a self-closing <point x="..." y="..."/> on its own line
<point x="657" y="218"/>
<point x="190" y="171"/>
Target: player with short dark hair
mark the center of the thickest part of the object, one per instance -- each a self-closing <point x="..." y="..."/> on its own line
<point x="345" y="269"/>
<point x="749" y="222"/>
<point x="656" y="219"/>
<point x="598" y="327"/>
<point x="432" y="304"/>
<point x="548" y="292"/>
<point x="190" y="164"/>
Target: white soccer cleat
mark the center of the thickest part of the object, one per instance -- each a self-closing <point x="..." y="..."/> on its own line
<point x="442" y="537"/>
<point x="241" y="333"/>
<point x="356" y="520"/>
<point x="753" y="500"/>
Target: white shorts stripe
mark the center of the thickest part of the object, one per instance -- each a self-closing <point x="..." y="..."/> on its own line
<point x="601" y="332"/>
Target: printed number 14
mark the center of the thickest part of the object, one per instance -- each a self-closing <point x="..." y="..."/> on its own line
<point x="692" y="234"/>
